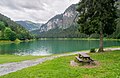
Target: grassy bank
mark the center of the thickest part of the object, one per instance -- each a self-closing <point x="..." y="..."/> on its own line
<point x="9" y="42"/>
<point x="16" y="41"/>
<point x="60" y="68"/>
<point x="14" y="58"/>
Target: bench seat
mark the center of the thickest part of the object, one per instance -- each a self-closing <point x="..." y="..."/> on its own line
<point x="80" y="60"/>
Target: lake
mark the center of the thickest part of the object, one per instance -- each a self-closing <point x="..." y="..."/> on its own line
<point x="48" y="47"/>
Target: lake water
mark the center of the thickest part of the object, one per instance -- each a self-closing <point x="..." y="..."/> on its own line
<point x="48" y="47"/>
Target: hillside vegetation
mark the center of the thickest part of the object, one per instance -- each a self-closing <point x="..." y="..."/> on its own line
<point x="9" y="30"/>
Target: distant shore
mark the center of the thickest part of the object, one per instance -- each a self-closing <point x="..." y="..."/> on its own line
<point x="76" y="39"/>
<point x="16" y="41"/>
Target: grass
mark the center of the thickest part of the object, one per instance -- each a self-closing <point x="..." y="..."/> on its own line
<point x="16" y="41"/>
<point x="114" y="47"/>
<point x="60" y="68"/>
<point x="15" y="58"/>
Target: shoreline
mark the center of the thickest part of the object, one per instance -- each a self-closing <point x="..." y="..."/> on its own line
<point x="19" y="41"/>
<point x="16" y="41"/>
<point x="76" y="39"/>
<point x="13" y="67"/>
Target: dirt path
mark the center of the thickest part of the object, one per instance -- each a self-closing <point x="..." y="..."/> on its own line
<point x="15" y="66"/>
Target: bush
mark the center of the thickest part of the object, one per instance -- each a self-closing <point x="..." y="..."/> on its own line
<point x="92" y="50"/>
<point x="9" y="34"/>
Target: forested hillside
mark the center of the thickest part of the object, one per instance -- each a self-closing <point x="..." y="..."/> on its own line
<point x="9" y="30"/>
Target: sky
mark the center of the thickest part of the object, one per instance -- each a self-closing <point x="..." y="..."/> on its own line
<point x="39" y="11"/>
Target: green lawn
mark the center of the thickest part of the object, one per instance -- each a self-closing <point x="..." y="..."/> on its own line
<point x="60" y="68"/>
<point x="13" y="58"/>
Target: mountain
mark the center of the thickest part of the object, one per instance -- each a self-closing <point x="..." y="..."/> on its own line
<point x="30" y="26"/>
<point x="9" y="25"/>
<point x="59" y="22"/>
<point x="64" y="25"/>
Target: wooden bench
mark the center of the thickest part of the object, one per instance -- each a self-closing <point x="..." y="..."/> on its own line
<point x="84" y="58"/>
<point x="84" y="55"/>
<point x="80" y="60"/>
<point x="92" y="60"/>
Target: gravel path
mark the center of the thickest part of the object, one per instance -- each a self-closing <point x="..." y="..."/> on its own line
<point x="15" y="66"/>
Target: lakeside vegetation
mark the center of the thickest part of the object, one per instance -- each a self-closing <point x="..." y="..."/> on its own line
<point x="60" y="68"/>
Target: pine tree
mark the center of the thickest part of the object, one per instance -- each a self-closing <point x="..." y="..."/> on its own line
<point x="97" y="16"/>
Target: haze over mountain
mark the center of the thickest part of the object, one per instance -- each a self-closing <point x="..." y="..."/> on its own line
<point x="30" y="26"/>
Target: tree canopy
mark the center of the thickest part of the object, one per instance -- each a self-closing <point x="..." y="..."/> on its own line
<point x="9" y="34"/>
<point x="97" y="16"/>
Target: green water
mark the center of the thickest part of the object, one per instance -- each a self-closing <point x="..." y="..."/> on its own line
<point x="48" y="47"/>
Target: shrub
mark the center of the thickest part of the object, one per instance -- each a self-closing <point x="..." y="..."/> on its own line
<point x="92" y="50"/>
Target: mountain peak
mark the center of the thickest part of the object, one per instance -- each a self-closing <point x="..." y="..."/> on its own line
<point x="61" y="21"/>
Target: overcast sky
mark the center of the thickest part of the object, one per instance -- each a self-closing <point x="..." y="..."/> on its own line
<point x="34" y="10"/>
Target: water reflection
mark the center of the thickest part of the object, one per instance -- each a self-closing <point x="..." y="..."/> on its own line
<point x="48" y="47"/>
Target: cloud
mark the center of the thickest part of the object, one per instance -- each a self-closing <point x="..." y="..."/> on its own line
<point x="34" y="10"/>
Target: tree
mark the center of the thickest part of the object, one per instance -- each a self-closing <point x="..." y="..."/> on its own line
<point x="9" y="34"/>
<point x="2" y="25"/>
<point x="97" y="16"/>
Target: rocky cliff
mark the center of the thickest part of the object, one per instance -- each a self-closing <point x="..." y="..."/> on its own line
<point x="61" y="21"/>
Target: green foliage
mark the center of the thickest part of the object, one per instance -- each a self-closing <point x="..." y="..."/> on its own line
<point x="118" y="36"/>
<point x="97" y="15"/>
<point x="23" y="35"/>
<point x="2" y="25"/>
<point x="117" y="32"/>
<point x="94" y="35"/>
<point x="92" y="50"/>
<point x="9" y="34"/>
<point x="13" y="30"/>
<point x="108" y="67"/>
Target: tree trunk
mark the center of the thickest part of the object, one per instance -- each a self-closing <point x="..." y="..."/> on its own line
<point x="101" y="43"/>
<point x="101" y="39"/>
